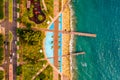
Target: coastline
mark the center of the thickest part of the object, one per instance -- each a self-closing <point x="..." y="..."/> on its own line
<point x="66" y="42"/>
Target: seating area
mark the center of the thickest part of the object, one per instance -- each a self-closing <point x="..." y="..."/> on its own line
<point x="39" y="16"/>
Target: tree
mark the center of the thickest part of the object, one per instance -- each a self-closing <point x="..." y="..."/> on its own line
<point x="19" y="31"/>
<point x="19" y="70"/>
<point x="18" y="9"/>
<point x="28" y="25"/>
<point x="18" y="19"/>
<point x="30" y="36"/>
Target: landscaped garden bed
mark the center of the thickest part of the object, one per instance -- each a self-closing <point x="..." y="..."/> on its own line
<point x="36" y="13"/>
<point x="27" y="14"/>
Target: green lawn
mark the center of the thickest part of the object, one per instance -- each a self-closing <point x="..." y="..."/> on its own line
<point x="10" y="10"/>
<point x="47" y="74"/>
<point x="1" y="9"/>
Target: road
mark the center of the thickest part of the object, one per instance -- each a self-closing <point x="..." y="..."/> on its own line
<point x="5" y="23"/>
<point x="13" y="28"/>
<point x="10" y="26"/>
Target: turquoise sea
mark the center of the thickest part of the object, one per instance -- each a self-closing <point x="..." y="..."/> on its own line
<point x="101" y="60"/>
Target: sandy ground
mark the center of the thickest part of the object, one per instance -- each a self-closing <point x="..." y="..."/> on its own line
<point x="66" y="41"/>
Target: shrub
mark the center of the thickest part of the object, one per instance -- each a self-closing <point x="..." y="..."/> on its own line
<point x="40" y="17"/>
<point x="19" y="70"/>
<point x="18" y="9"/>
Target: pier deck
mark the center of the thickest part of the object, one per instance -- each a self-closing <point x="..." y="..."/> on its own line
<point x="73" y="54"/>
<point x="67" y="32"/>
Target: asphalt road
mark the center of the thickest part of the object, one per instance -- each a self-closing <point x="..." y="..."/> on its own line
<point x="5" y="24"/>
<point x="10" y="27"/>
<point x="13" y="28"/>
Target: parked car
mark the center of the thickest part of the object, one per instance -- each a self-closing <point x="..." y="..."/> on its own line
<point x="10" y="59"/>
<point x="16" y="42"/>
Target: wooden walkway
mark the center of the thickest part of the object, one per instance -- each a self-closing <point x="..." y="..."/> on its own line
<point x="67" y="32"/>
<point x="55" y="38"/>
<point x="73" y="54"/>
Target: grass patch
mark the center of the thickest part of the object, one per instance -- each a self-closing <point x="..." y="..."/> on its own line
<point x="10" y="10"/>
<point x="47" y="74"/>
<point x="30" y="56"/>
<point x="1" y="9"/>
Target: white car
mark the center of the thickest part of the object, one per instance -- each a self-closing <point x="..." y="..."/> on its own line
<point x="10" y="60"/>
<point x="16" y="42"/>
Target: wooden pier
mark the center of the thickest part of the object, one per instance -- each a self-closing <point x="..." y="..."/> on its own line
<point x="78" y="33"/>
<point x="68" y="32"/>
<point x="72" y="54"/>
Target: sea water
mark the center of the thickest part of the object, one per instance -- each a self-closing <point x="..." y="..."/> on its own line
<point x="101" y="60"/>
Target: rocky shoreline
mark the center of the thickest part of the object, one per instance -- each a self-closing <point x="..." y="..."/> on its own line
<point x="66" y="41"/>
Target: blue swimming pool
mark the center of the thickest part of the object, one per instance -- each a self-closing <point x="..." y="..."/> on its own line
<point x="49" y="43"/>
